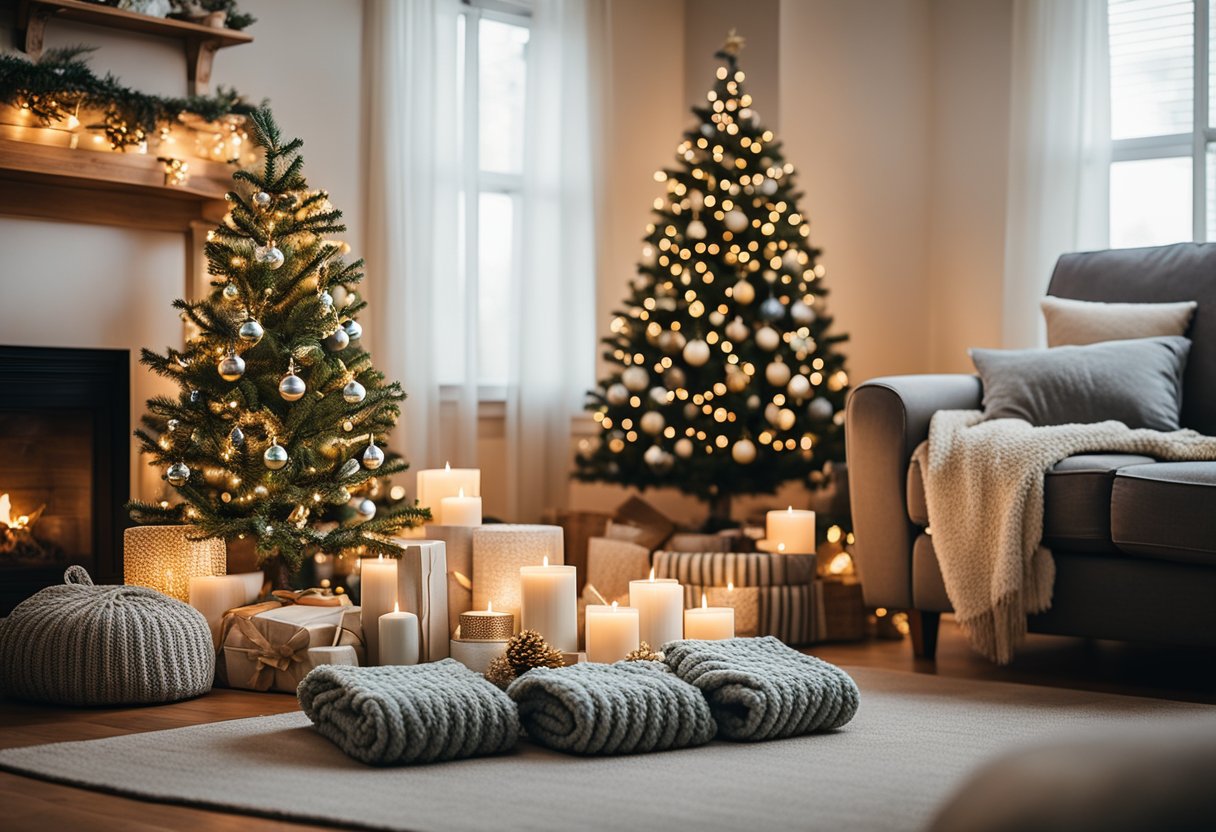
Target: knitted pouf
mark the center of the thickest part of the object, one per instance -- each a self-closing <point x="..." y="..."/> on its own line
<point x="80" y="644"/>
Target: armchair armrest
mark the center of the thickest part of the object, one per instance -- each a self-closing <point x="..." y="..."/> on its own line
<point x="885" y="419"/>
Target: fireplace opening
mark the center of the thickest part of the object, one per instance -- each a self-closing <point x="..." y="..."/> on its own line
<point x="64" y="465"/>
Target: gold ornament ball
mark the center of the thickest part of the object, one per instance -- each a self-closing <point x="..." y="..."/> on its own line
<point x="275" y="457"/>
<point x="735" y="220"/>
<point x="767" y="339"/>
<point x="652" y="422"/>
<point x="696" y="353"/>
<point x="635" y="378"/>
<point x="744" y="292"/>
<point x="684" y="448"/>
<point x="743" y="452"/>
<point x="617" y="394"/>
<point x="777" y="373"/>
<point x="737" y="331"/>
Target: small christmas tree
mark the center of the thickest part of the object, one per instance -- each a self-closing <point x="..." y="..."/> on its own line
<point x="281" y="416"/>
<point x="725" y="377"/>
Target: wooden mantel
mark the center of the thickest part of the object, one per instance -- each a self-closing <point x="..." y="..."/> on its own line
<point x="200" y="42"/>
<point x="123" y="189"/>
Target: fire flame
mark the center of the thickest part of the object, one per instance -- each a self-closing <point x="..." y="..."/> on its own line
<point x="6" y="516"/>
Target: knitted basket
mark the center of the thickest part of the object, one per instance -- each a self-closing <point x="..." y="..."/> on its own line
<point x="80" y="644"/>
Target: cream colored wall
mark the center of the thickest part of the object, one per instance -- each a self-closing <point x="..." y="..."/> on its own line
<point x="94" y="286"/>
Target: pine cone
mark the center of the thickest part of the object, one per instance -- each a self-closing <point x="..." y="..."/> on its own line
<point x="500" y="672"/>
<point x="528" y="650"/>
<point x="644" y="654"/>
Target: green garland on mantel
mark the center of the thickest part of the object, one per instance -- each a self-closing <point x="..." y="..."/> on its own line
<point x="61" y="84"/>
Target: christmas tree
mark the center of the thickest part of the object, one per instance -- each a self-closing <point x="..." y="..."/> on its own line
<point x="281" y="417"/>
<point x="725" y="377"/>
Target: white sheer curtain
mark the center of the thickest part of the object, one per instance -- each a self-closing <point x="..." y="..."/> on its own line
<point x="553" y="320"/>
<point x="416" y="181"/>
<point x="1059" y="150"/>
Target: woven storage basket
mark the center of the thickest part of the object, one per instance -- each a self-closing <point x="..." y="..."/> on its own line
<point x="80" y="644"/>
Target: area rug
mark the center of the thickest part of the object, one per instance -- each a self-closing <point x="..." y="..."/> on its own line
<point x="912" y="742"/>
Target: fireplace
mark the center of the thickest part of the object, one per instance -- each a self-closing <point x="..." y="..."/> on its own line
<point x="64" y="466"/>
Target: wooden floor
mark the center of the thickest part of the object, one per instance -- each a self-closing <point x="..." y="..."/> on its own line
<point x="28" y="804"/>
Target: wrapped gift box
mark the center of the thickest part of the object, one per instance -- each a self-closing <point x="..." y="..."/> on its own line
<point x="840" y="613"/>
<point x="739" y="568"/>
<point x="786" y="612"/>
<point x="458" y="541"/>
<point x="612" y="564"/>
<point x="422" y="588"/>
<point x="265" y="646"/>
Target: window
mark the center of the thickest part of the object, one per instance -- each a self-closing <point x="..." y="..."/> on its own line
<point x="491" y="65"/>
<point x="1163" y="152"/>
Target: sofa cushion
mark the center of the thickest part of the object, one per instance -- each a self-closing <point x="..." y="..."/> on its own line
<point x="1166" y="510"/>
<point x="1076" y="497"/>
<point x="1090" y="322"/>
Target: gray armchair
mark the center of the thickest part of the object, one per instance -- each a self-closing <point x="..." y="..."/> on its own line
<point x="1134" y="540"/>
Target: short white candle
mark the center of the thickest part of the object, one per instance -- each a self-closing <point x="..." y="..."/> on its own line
<point x="612" y="632"/>
<point x="791" y="531"/>
<point x="709" y="623"/>
<point x="377" y="595"/>
<point x="460" y="510"/>
<point x="214" y="595"/>
<point x="549" y="604"/>
<point x="476" y="655"/>
<point x="660" y="606"/>
<point x="436" y="483"/>
<point x="399" y="638"/>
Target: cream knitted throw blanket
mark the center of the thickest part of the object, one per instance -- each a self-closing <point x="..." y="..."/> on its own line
<point x="984" y="491"/>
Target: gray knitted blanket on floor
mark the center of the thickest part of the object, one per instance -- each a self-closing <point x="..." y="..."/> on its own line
<point x="760" y="689"/>
<point x="622" y="708"/>
<point x="409" y="714"/>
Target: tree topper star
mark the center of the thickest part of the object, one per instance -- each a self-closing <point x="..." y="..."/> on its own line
<point x="734" y="43"/>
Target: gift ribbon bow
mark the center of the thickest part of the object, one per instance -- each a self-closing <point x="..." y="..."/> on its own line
<point x="315" y="597"/>
<point x="270" y="657"/>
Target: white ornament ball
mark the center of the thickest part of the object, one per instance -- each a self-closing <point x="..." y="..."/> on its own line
<point x="353" y="392"/>
<point x="353" y="330"/>
<point x="772" y="413"/>
<point x="617" y="394"/>
<point x="366" y="509"/>
<point x="786" y="418"/>
<point x="743" y="452"/>
<point x="799" y="387"/>
<point x="338" y="341"/>
<point x="769" y="276"/>
<point x="802" y="313"/>
<point x="658" y="395"/>
<point x="269" y="256"/>
<point x="261" y="199"/>
<point x="696" y="200"/>
<point x="684" y="448"/>
<point x="767" y="339"/>
<point x="777" y="373"/>
<point x="251" y="332"/>
<point x="744" y="292"/>
<point x="820" y="409"/>
<point x="636" y="378"/>
<point x="177" y="474"/>
<point x="737" y="331"/>
<point x="716" y="318"/>
<point x="790" y="260"/>
<point x="707" y="130"/>
<point x="657" y="458"/>
<point x="373" y="458"/>
<point x="652" y="422"/>
<point x="231" y="368"/>
<point x="326" y="299"/>
<point x="275" y="457"/>
<point x="696" y="352"/>
<point x="292" y="388"/>
<point x="768" y="187"/>
<point x="735" y="220"/>
<point x="695" y="230"/>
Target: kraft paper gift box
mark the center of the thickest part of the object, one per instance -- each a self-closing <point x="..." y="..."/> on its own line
<point x="422" y="588"/>
<point x="458" y="542"/>
<point x="265" y="646"/>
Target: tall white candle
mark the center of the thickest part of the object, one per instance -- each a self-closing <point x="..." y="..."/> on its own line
<point x="660" y="606"/>
<point x="377" y="595"/>
<point x="612" y="632"/>
<point x="710" y="623"/>
<point x="214" y="595"/>
<point x="549" y="604"/>
<point x="791" y="531"/>
<point x="460" y="510"/>
<point x="399" y="637"/>
<point x="436" y="483"/>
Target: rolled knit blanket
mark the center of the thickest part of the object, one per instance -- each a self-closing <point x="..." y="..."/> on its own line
<point x="622" y="708"/>
<point x="760" y="689"/>
<point x="409" y="714"/>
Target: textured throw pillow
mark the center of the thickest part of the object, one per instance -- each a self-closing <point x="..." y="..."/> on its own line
<point x="1136" y="382"/>
<point x="1086" y="322"/>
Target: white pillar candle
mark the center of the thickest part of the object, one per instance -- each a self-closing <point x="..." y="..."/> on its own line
<point x="343" y="654"/>
<point x="791" y="531"/>
<point x="214" y="595"/>
<point x="709" y="623"/>
<point x="399" y="638"/>
<point x="660" y="606"/>
<point x="476" y="655"/>
<point x="612" y="632"/>
<point x="377" y="595"/>
<point x="436" y="483"/>
<point x="460" y="510"/>
<point x="549" y="604"/>
<point x="253" y="581"/>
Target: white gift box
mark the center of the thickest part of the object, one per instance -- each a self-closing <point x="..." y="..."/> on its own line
<point x="422" y="588"/>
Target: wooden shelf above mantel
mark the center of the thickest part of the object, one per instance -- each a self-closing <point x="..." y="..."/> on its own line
<point x="200" y="42"/>
<point x="122" y="189"/>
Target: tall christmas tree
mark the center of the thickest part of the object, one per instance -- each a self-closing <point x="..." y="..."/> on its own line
<point x="725" y="377"/>
<point x="281" y="417"/>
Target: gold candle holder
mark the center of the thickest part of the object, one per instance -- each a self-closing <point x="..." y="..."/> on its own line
<point x="486" y="625"/>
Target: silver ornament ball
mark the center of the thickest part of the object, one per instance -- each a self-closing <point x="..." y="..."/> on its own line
<point x="635" y="378"/>
<point x="292" y="388"/>
<point x="338" y="341"/>
<point x="353" y="392"/>
<point x="231" y="367"/>
<point x="269" y="256"/>
<point x="275" y="457"/>
<point x="237" y="437"/>
<point x="177" y="474"/>
<point x="353" y="330"/>
<point x="772" y="310"/>
<point x="261" y="199"/>
<point x="251" y="332"/>
<point x="326" y="299"/>
<point x="373" y="457"/>
<point x="366" y="509"/>
<point x="820" y="409"/>
<point x="231" y="291"/>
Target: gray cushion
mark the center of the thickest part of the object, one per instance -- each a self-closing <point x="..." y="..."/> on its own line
<point x="1166" y="510"/>
<point x="1076" y="497"/>
<point x="1137" y="382"/>
<point x="1089" y="322"/>
<point x="1186" y="271"/>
